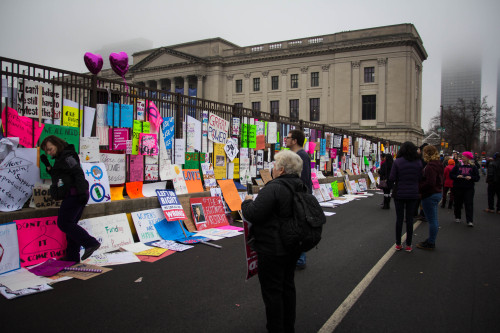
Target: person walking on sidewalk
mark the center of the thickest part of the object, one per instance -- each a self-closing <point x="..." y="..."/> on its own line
<point x="493" y="181"/>
<point x="430" y="188"/>
<point x="448" y="184"/>
<point x="70" y="186"/>
<point x="384" y="172"/>
<point x="405" y="175"/>
<point x="464" y="176"/>
<point x="295" y="141"/>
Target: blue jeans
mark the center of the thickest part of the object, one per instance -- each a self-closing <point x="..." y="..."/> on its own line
<point x="430" y="206"/>
<point x="302" y="259"/>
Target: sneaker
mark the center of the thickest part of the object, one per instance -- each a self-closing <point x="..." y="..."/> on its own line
<point x="408" y="248"/>
<point x="398" y="247"/>
<point x="470" y="224"/>
<point x="457" y="221"/>
<point x="426" y="246"/>
<point x="88" y="251"/>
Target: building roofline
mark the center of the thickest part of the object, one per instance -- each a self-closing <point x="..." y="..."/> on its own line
<point x="201" y="41"/>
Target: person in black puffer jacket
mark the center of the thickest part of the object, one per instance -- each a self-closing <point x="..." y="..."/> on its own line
<point x="273" y="205"/>
<point x="384" y="172"/>
<point x="70" y="186"/>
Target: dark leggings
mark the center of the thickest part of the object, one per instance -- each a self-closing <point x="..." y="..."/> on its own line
<point x="405" y="209"/>
<point x="464" y="196"/>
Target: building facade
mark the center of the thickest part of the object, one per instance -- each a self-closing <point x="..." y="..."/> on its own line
<point x="460" y="78"/>
<point x="366" y="80"/>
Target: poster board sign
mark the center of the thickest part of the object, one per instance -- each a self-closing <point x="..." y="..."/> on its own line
<point x="69" y="134"/>
<point x="193" y="134"/>
<point x="112" y="231"/>
<point x="101" y="125"/>
<point x="97" y="176"/>
<point x="230" y="194"/>
<point x="154" y="117"/>
<point x="363" y="186"/>
<point x="251" y="255"/>
<point x="148" y="144"/>
<point x="235" y="127"/>
<point x="266" y="175"/>
<point x="335" y="189"/>
<point x="186" y="206"/>
<point x="120" y="115"/>
<point x="271" y="132"/>
<point x="178" y="180"/>
<point x="17" y="178"/>
<point x="39" y="240"/>
<point x="168" y="131"/>
<point x="118" y="138"/>
<point x="134" y="190"/>
<point x="217" y="128"/>
<point x="208" y="212"/>
<point x="51" y="99"/>
<point x="219" y="161"/>
<point x="136" y="168"/>
<point x="180" y="151"/>
<point x="170" y="205"/>
<point x="9" y="248"/>
<point x="252" y="136"/>
<point x="21" y="127"/>
<point x="208" y="175"/>
<point x="193" y="180"/>
<point x="89" y="149"/>
<point x="42" y="197"/>
<point x="231" y="149"/>
<point x="144" y="222"/>
<point x="115" y="166"/>
<point x="140" y="107"/>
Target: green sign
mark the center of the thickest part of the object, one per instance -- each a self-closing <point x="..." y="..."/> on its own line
<point x="244" y="135"/>
<point x="252" y="137"/>
<point x="335" y="189"/>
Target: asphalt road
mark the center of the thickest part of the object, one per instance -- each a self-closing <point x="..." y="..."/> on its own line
<point x="455" y="288"/>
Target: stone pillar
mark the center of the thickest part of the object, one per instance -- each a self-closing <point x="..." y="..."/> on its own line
<point x="284" y="104"/>
<point x="246" y="89"/>
<point x="325" y="88"/>
<point x="172" y="85"/>
<point x="158" y="84"/>
<point x="199" y="86"/>
<point x="186" y="85"/>
<point x="265" y="107"/>
<point x="229" y="88"/>
<point x="304" y="112"/>
<point x="356" y="98"/>
<point x="381" y="96"/>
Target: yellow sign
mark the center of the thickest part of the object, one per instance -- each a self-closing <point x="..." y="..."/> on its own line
<point x="219" y="161"/>
<point x="70" y="116"/>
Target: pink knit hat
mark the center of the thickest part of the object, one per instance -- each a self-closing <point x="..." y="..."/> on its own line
<point x="468" y="154"/>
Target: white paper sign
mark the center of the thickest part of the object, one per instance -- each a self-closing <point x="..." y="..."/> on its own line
<point x="271" y="132"/>
<point x="145" y="221"/>
<point x="193" y="134"/>
<point x="231" y="149"/>
<point x="51" y="98"/>
<point x="97" y="176"/>
<point x="9" y="248"/>
<point x="180" y="151"/>
<point x="112" y="231"/>
<point x="217" y="128"/>
<point x="179" y="182"/>
<point x="235" y="128"/>
<point x="17" y="178"/>
<point x="102" y="130"/>
<point x="115" y="166"/>
<point x="89" y="150"/>
<point x="149" y="190"/>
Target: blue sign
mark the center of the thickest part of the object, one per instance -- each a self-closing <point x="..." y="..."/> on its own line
<point x="120" y="115"/>
<point x="168" y="131"/>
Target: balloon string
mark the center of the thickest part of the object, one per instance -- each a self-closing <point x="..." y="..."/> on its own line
<point x="126" y="85"/>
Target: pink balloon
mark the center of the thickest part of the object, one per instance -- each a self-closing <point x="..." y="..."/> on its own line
<point x="119" y="63"/>
<point x="93" y="62"/>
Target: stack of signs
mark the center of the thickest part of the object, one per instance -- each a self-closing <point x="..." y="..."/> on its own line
<point x="362" y="184"/>
<point x="208" y="212"/>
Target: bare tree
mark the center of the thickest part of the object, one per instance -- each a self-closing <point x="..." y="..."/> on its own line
<point x="463" y="123"/>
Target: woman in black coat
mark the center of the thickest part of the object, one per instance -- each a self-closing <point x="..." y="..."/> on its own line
<point x="384" y="173"/>
<point x="70" y="186"/>
<point x="273" y="205"/>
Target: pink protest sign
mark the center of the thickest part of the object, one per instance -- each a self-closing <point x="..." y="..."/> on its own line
<point x="154" y="117"/>
<point x="118" y="138"/>
<point x="148" y="144"/>
<point x="136" y="168"/>
<point x="312" y="146"/>
<point x="39" y="240"/>
<point x="333" y="152"/>
<point x="315" y="181"/>
<point x="21" y="127"/>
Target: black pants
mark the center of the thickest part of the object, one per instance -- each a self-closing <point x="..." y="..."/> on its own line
<point x="276" y="276"/>
<point x="493" y="189"/>
<point x="405" y="208"/>
<point x="69" y="214"/>
<point x="464" y="196"/>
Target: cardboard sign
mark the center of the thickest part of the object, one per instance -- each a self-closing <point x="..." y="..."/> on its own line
<point x="9" y="248"/>
<point x="145" y="221"/>
<point x="112" y="231"/>
<point x="115" y="166"/>
<point x="148" y="144"/>
<point x="97" y="176"/>
<point x="208" y="212"/>
<point x="170" y="205"/>
<point x="260" y="142"/>
<point x="42" y="197"/>
<point x="266" y="175"/>
<point x="69" y="134"/>
<point x="230" y="193"/>
<point x="39" y="240"/>
<point x="51" y="99"/>
<point x="193" y="180"/>
<point x="21" y="127"/>
<point x="217" y="128"/>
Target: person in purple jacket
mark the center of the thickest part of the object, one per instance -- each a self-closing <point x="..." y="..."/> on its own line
<point x="405" y="175"/>
<point x="464" y="176"/>
<point x="431" y="186"/>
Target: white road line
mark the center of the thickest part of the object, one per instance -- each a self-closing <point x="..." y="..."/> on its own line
<point x="339" y="314"/>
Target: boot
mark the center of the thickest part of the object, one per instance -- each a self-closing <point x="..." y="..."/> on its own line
<point x="387" y="201"/>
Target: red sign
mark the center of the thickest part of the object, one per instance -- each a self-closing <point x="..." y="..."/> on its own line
<point x="208" y="212"/>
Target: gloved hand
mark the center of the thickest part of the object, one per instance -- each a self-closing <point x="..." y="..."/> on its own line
<point x="83" y="198"/>
<point x="45" y="160"/>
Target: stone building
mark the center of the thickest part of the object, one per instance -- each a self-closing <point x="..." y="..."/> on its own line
<point x="366" y="80"/>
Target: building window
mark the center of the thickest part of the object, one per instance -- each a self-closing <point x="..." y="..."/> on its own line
<point x="274" y="82"/>
<point x="314" y="109"/>
<point x="369" y="74"/>
<point x="256" y="84"/>
<point x="294" y="81"/>
<point x="315" y="79"/>
<point x="239" y="86"/>
<point x="256" y="106"/>
<point x="294" y="109"/>
<point x="275" y="108"/>
<point x="369" y="109"/>
<point x="238" y="105"/>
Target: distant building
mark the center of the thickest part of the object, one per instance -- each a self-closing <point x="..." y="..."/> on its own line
<point x="460" y="78"/>
<point x="128" y="46"/>
<point x="366" y="80"/>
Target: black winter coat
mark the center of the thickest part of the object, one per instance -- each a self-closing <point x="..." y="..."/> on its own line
<point x="273" y="205"/>
<point x="67" y="168"/>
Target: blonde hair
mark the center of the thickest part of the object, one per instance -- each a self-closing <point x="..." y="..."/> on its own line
<point x="430" y="153"/>
<point x="290" y="161"/>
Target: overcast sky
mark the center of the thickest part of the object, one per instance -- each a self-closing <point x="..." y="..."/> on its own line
<point x="58" y="32"/>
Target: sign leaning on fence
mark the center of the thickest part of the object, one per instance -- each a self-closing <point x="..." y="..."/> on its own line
<point x="217" y="128"/>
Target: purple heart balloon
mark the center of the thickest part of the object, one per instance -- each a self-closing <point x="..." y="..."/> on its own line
<point x="119" y="63"/>
<point x="93" y="62"/>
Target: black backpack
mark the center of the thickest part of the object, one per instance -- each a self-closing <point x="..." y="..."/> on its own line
<point x="302" y="232"/>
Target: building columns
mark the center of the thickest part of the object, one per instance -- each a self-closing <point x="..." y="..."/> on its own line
<point x="355" y="109"/>
<point x="199" y="86"/>
<point x="381" y="109"/>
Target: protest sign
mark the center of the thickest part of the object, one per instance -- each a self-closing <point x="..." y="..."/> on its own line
<point x="154" y="117"/>
<point x="42" y="197"/>
<point x="141" y="107"/>
<point x="21" y="127"/>
<point x="89" y="149"/>
<point x="230" y="193"/>
<point x="112" y="231"/>
<point x="335" y="189"/>
<point x="271" y="132"/>
<point x="101" y="125"/>
<point x="231" y="149"/>
<point x="235" y="127"/>
<point x="193" y="134"/>
<point x="115" y="166"/>
<point x="178" y="180"/>
<point x="193" y="160"/>
<point x="266" y="175"/>
<point x="217" y="128"/>
<point x="244" y="135"/>
<point x="208" y="175"/>
<point x="151" y="168"/>
<point x="208" y="212"/>
<point x="136" y="168"/>
<point x="251" y="255"/>
<point x="149" y="190"/>
<point x="118" y="138"/>
<point x="97" y="176"/>
<point x="39" y="240"/>
<point x="172" y="230"/>
<point x="260" y="142"/>
<point x="219" y="161"/>
<point x="170" y="205"/>
<point x="17" y="178"/>
<point x="29" y="94"/>
<point x="252" y="136"/>
<point x="69" y="134"/>
<point x="193" y="180"/>
<point x="180" y="151"/>
<point x="145" y="221"/>
<point x="9" y="248"/>
<point x="120" y="115"/>
<point x="168" y="131"/>
<point x="148" y="144"/>
<point x="134" y="190"/>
